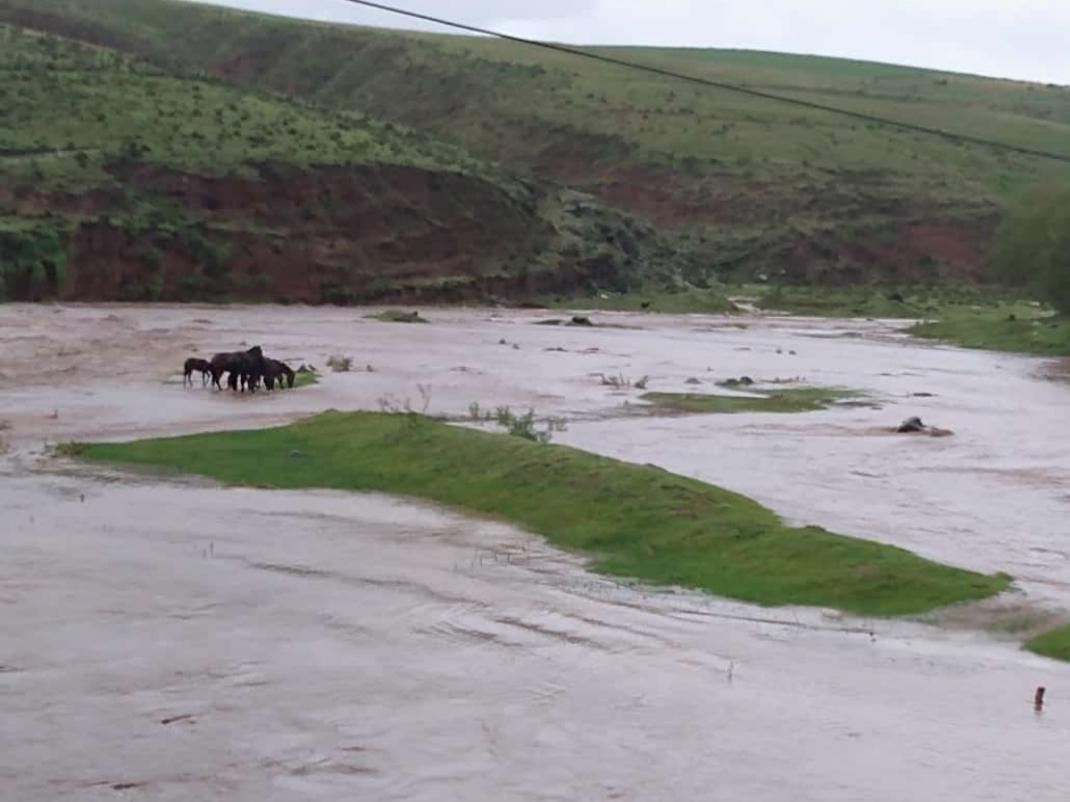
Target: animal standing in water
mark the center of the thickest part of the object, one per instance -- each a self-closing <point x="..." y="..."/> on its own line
<point x="246" y="366"/>
<point x="277" y="372"/>
<point x="196" y="365"/>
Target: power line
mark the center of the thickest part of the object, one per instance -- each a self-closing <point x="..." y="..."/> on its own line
<point x="727" y="87"/>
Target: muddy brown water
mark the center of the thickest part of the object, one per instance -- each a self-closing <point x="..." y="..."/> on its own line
<point x="172" y="640"/>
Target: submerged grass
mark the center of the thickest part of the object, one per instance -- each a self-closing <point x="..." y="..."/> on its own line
<point x="634" y="520"/>
<point x="1055" y="644"/>
<point x="795" y="399"/>
<point x="397" y="316"/>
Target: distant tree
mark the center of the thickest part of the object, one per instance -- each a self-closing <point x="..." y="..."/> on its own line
<point x="1032" y="246"/>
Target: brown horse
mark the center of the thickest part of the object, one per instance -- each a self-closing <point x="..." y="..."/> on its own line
<point x="274" y="371"/>
<point x="248" y="366"/>
<point x="196" y="364"/>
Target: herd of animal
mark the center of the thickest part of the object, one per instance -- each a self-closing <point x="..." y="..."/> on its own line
<point x="245" y="370"/>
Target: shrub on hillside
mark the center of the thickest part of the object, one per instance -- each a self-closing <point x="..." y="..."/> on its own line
<point x="1033" y="245"/>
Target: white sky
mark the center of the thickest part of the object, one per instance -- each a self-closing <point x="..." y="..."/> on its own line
<point x="1027" y="39"/>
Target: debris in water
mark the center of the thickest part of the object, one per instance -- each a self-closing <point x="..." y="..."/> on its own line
<point x="176" y="719"/>
<point x="1038" y="699"/>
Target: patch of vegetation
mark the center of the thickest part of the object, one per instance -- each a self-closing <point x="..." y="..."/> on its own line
<point x="1032" y="247"/>
<point x="305" y="378"/>
<point x="398" y="316"/>
<point x="622" y="382"/>
<point x="871" y="302"/>
<point x="72" y="113"/>
<point x="633" y="520"/>
<point x="524" y="426"/>
<point x="339" y="363"/>
<point x="33" y="257"/>
<point x="794" y="399"/>
<point x="1054" y="644"/>
<point x="1018" y="328"/>
<point x="710" y="302"/>
<point x="972" y="317"/>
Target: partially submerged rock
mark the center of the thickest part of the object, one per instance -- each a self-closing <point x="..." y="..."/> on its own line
<point x="915" y="425"/>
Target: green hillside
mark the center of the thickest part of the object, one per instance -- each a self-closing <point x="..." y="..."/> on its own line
<point x="119" y="180"/>
<point x="72" y="109"/>
<point x="757" y="186"/>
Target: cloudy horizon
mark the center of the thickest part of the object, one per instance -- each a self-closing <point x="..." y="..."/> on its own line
<point x="1023" y="41"/>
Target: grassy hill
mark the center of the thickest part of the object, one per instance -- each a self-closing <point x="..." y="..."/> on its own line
<point x="753" y="186"/>
<point x="120" y="180"/>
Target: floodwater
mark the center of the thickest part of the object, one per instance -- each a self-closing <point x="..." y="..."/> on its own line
<point x="167" y="639"/>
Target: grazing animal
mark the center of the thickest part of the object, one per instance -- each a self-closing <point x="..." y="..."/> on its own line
<point x="274" y="371"/>
<point x="196" y="364"/>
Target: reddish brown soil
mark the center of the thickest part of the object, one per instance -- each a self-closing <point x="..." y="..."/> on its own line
<point x="323" y="235"/>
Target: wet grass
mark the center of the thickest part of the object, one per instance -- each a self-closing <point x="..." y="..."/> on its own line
<point x="72" y="112"/>
<point x="795" y="399"/>
<point x="1054" y="644"/>
<point x="397" y="316"/>
<point x="633" y="520"/>
<point x="305" y="378"/>
<point x="872" y="301"/>
<point x="529" y="99"/>
<point x="710" y="302"/>
<point x="1018" y="328"/>
<point x="972" y="317"/>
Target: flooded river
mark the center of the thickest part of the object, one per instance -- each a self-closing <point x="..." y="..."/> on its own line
<point x="167" y="639"/>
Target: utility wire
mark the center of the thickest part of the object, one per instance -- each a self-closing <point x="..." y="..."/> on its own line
<point x="727" y="87"/>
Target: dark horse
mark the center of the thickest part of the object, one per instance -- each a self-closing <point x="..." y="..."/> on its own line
<point x="274" y="371"/>
<point x="196" y="364"/>
<point x="246" y="366"/>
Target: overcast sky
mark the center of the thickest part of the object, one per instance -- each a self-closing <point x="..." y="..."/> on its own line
<point x="1028" y="39"/>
